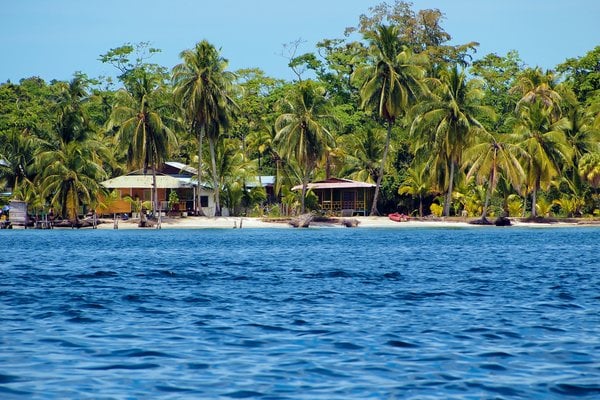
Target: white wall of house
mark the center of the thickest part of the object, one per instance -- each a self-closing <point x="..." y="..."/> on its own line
<point x="208" y="210"/>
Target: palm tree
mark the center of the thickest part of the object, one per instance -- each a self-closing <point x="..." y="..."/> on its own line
<point x="300" y="130"/>
<point x="534" y="85"/>
<point x="546" y="145"/>
<point x="389" y="85"/>
<point x="447" y="123"/>
<point x="363" y="149"/>
<point x="141" y="130"/>
<point x="203" y="89"/>
<point x="70" y="176"/>
<point x="214" y="134"/>
<point x="489" y="159"/>
<point x="260" y="141"/>
<point x="589" y="168"/>
<point x="233" y="171"/>
<point x="417" y="183"/>
<point x="17" y="155"/>
<point x="583" y="135"/>
<point x="73" y="123"/>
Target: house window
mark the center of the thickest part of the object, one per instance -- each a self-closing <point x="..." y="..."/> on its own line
<point x="203" y="201"/>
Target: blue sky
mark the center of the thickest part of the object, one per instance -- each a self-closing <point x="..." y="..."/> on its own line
<point x="53" y="39"/>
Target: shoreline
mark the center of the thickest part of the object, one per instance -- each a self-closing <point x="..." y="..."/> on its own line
<point x="363" y="222"/>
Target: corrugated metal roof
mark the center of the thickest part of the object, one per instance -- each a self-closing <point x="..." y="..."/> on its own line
<point x="336" y="183"/>
<point x="266" y="180"/>
<point x="182" y="167"/>
<point x="145" y="182"/>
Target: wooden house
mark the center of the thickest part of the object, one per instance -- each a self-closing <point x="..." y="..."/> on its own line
<point x="342" y="196"/>
<point x="172" y="176"/>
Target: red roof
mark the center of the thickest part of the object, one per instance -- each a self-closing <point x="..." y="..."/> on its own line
<point x="336" y="183"/>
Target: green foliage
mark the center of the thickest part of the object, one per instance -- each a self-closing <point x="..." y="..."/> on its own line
<point x="446" y="123"/>
<point x="130" y="59"/>
<point x="515" y="205"/>
<point x="589" y="169"/>
<point x="436" y="209"/>
<point x="498" y="74"/>
<point x="583" y="75"/>
<point x="173" y="199"/>
<point x="274" y="211"/>
<point x="204" y="91"/>
<point x="301" y="128"/>
<point x="136" y="204"/>
<point x="570" y="205"/>
<point x="543" y="206"/>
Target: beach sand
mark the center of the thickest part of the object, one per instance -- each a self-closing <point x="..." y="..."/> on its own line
<point x="363" y="222"/>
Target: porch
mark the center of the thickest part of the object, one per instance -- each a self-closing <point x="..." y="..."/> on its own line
<point x="342" y="196"/>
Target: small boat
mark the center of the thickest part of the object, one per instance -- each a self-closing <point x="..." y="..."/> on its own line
<point x="398" y="217"/>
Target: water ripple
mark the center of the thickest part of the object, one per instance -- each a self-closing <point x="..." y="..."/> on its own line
<point x="312" y="314"/>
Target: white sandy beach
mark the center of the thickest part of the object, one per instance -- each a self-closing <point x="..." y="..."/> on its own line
<point x="363" y="222"/>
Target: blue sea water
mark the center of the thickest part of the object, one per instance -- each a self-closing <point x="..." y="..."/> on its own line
<point x="300" y="314"/>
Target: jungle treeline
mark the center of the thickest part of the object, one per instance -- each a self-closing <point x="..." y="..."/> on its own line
<point x="437" y="127"/>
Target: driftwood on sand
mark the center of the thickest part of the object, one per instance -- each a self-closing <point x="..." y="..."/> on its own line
<point x="301" y="221"/>
<point x="350" y="222"/>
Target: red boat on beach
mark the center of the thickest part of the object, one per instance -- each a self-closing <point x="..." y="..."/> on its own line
<point x="398" y="217"/>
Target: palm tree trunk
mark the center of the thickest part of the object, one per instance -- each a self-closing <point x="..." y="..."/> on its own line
<point x="533" y="202"/>
<point x="15" y="189"/>
<point x="488" y="194"/>
<point x="213" y="159"/>
<point x="154" y="191"/>
<point x="485" y="203"/>
<point x="421" y="206"/>
<point x="449" y="194"/>
<point x="72" y="205"/>
<point x="381" y="168"/>
<point x="199" y="210"/>
<point x="302" y="204"/>
<point x="304" y="190"/>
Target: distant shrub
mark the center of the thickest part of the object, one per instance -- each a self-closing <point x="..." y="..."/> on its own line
<point x="274" y="211"/>
<point x="515" y="205"/>
<point x="543" y="207"/>
<point x="436" y="209"/>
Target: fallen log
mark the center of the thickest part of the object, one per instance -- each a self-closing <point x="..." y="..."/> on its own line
<point x="302" y="221"/>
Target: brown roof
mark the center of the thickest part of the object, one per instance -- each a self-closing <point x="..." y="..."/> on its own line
<point x="336" y="183"/>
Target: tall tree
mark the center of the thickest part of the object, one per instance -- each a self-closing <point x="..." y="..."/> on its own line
<point x="300" y="129"/>
<point x="389" y="85"/>
<point x="491" y="158"/>
<point x="417" y="182"/>
<point x="498" y="74"/>
<point x="141" y="131"/>
<point x="73" y="122"/>
<point x="203" y="88"/>
<point x="71" y="176"/>
<point x="589" y="168"/>
<point x="447" y="123"/>
<point x="536" y="86"/>
<point x="363" y="150"/>
<point x="546" y="145"/>
<point x="17" y="156"/>
<point x="69" y="159"/>
<point x="421" y="31"/>
<point x="583" y="75"/>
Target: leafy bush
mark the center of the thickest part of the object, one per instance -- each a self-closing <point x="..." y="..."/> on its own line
<point x="543" y="207"/>
<point x="515" y="205"/>
<point x="436" y="209"/>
